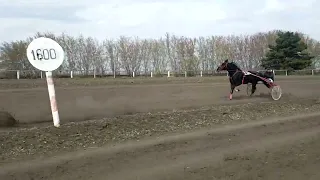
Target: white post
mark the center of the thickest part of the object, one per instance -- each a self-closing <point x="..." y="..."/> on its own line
<point x="46" y="44"/>
<point x="41" y="76"/>
<point x="168" y="73"/>
<point x="312" y="72"/>
<point x="53" y="101"/>
<point x="18" y="74"/>
<point x="71" y="74"/>
<point x="185" y="73"/>
<point x="201" y="73"/>
<point x="133" y="74"/>
<point x="94" y="73"/>
<point x="114" y="69"/>
<point x="273" y="72"/>
<point x="286" y="73"/>
<point x="151" y="74"/>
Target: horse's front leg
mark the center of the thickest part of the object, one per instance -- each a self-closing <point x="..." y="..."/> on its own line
<point x="231" y="91"/>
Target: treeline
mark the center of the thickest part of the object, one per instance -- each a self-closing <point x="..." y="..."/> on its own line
<point x="170" y="52"/>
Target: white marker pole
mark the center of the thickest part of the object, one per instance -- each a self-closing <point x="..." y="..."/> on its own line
<point x="47" y="55"/>
<point x="52" y="98"/>
<point x="18" y="74"/>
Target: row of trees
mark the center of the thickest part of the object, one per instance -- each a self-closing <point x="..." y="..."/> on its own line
<point x="177" y="54"/>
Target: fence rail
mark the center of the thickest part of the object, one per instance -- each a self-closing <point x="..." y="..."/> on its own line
<point x="36" y="74"/>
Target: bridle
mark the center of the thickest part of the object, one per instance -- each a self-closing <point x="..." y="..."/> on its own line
<point x="225" y="66"/>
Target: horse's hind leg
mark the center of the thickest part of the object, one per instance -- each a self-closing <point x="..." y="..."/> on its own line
<point x="254" y="88"/>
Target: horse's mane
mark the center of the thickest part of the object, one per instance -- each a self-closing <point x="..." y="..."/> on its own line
<point x="235" y="66"/>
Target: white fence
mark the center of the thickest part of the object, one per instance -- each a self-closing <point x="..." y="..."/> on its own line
<point x="35" y="74"/>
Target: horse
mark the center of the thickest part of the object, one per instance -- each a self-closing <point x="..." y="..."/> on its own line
<point x="238" y="77"/>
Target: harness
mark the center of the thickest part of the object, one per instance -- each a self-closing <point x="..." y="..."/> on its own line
<point x="245" y="73"/>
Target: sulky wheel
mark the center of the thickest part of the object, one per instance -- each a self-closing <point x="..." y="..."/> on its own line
<point x="276" y="92"/>
<point x="249" y="88"/>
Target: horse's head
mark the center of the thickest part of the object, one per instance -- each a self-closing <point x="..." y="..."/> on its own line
<point x="223" y="66"/>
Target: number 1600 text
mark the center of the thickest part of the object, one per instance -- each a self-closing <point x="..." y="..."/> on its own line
<point x="44" y="54"/>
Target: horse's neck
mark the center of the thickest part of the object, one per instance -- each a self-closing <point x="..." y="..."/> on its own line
<point x="232" y="72"/>
<point x="234" y="69"/>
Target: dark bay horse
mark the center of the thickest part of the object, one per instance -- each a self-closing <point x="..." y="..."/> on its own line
<point x="238" y="77"/>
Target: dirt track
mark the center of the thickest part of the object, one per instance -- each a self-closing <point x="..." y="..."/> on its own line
<point x="81" y="103"/>
<point x="283" y="146"/>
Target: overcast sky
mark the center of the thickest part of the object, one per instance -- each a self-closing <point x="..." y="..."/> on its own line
<point x="151" y="18"/>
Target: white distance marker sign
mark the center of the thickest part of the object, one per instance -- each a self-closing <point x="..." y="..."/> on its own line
<point x="47" y="55"/>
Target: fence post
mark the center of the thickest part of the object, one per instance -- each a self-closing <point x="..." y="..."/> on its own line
<point x="201" y="73"/>
<point x="133" y="74"/>
<point x="286" y="72"/>
<point x="185" y="73"/>
<point x="168" y="73"/>
<point x="71" y="74"/>
<point x="273" y="72"/>
<point x="312" y="72"/>
<point x="151" y="74"/>
<point x="94" y="73"/>
<point x="41" y="75"/>
<point x="18" y="74"/>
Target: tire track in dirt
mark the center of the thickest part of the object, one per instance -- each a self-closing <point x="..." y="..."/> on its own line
<point x="168" y="157"/>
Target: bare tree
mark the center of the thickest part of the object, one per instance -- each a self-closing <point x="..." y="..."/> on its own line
<point x="145" y="55"/>
<point x="129" y="51"/>
<point x="159" y="56"/>
<point x="171" y="51"/>
<point x="203" y="53"/>
<point x="71" y="48"/>
<point x="112" y="55"/>
<point x="14" y="56"/>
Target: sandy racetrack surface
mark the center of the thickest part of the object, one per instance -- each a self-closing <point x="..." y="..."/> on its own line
<point x="167" y="130"/>
<point x="82" y="100"/>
